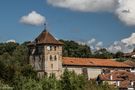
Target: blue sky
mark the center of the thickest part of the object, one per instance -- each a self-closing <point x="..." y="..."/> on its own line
<point x="63" y="23"/>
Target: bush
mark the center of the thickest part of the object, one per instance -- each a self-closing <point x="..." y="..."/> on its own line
<point x="50" y="83"/>
<point x="31" y="84"/>
<point x="72" y="81"/>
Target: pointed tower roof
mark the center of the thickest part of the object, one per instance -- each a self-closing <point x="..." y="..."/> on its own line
<point x="46" y="38"/>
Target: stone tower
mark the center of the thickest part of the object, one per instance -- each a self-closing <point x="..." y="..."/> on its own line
<point x="45" y="54"/>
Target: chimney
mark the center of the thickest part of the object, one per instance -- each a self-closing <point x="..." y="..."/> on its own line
<point x="118" y="83"/>
<point x="111" y="77"/>
<point x="132" y="83"/>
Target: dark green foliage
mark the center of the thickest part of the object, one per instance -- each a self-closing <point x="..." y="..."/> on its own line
<point x="4" y="86"/>
<point x="73" y="49"/>
<point x="18" y="82"/>
<point x="50" y="83"/>
<point x="27" y="71"/>
<point x="31" y="84"/>
<point x="119" y="57"/>
<point x="92" y="85"/>
<point x="72" y="81"/>
<point x="119" y="54"/>
<point x="102" y="53"/>
<point x="17" y="73"/>
<point x="7" y="47"/>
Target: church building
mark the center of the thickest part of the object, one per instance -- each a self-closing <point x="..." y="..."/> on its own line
<point x="45" y="56"/>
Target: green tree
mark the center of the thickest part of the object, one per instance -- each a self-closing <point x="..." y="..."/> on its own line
<point x="27" y="71"/>
<point x="31" y="84"/>
<point x="7" y="47"/>
<point x="73" y="49"/>
<point x="119" y="54"/>
<point x="103" y="53"/>
<point x="18" y="82"/>
<point x="72" y="81"/>
<point x="50" y="83"/>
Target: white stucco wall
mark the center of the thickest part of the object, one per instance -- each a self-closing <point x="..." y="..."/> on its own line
<point x="78" y="70"/>
<point x="93" y="72"/>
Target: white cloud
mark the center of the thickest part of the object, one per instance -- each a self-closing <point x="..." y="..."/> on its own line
<point x="99" y="44"/>
<point x="92" y="41"/>
<point x="81" y="43"/>
<point x="11" y="40"/>
<point x="124" y="9"/>
<point x="85" y="5"/>
<point x="33" y="18"/>
<point x="130" y="40"/>
<point x="120" y="46"/>
<point x="125" y="45"/>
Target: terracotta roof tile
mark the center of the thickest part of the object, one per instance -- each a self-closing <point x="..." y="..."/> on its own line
<point x="92" y="62"/>
<point x="129" y="54"/>
<point x="130" y="62"/>
<point x="46" y="38"/>
<point x="124" y="84"/>
<point x="118" y="76"/>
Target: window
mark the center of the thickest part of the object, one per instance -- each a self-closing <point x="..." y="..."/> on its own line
<point x="40" y="50"/>
<point x="55" y="57"/>
<point x="84" y="71"/>
<point x="51" y="48"/>
<point x="55" y="48"/>
<point x="52" y="66"/>
<point x="50" y="57"/>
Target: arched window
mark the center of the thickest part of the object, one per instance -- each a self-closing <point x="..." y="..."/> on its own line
<point x="51" y="47"/>
<point x="52" y="66"/>
<point x="55" y="57"/>
<point x="50" y="57"/>
<point x="55" y="48"/>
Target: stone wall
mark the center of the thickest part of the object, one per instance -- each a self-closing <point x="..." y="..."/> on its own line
<point x="54" y="64"/>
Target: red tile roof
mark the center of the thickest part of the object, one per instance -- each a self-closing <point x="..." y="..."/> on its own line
<point x="125" y="84"/>
<point x="124" y="77"/>
<point x="129" y="54"/>
<point x="118" y="76"/>
<point x="46" y="38"/>
<point x="69" y="61"/>
<point x="130" y="62"/>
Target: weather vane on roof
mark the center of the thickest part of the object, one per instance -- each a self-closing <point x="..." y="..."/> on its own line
<point x="45" y="26"/>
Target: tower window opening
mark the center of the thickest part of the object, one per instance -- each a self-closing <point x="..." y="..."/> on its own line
<point x="51" y="48"/>
<point x="52" y="66"/>
<point x="55" y="48"/>
<point x="50" y="57"/>
<point x="55" y="57"/>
